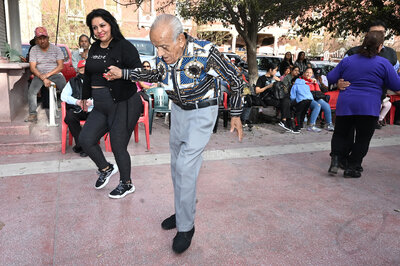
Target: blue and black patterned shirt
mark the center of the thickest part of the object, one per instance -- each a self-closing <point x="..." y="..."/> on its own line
<point x="193" y="78"/>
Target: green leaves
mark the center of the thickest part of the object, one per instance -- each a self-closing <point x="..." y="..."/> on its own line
<point x="11" y="54"/>
<point x="352" y="17"/>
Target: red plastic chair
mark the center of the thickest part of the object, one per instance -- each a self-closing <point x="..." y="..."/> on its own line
<point x="392" y="111"/>
<point x="145" y="120"/>
<point x="64" y="131"/>
<point x="333" y="98"/>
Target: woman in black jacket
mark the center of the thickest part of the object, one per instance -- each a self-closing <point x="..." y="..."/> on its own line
<point x="117" y="105"/>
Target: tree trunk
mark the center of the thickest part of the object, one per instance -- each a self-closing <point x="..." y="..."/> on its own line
<point x="251" y="47"/>
<point x="252" y="63"/>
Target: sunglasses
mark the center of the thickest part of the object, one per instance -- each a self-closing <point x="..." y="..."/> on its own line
<point x="146" y="66"/>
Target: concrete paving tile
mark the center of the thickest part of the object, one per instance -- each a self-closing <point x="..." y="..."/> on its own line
<point x="28" y="218"/>
<point x="265" y="210"/>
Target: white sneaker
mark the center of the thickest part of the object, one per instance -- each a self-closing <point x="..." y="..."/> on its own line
<point x="330" y="127"/>
<point x="313" y="128"/>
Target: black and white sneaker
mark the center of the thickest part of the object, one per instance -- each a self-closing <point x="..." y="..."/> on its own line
<point x="122" y="190"/>
<point x="295" y="130"/>
<point x="104" y="176"/>
<point x="284" y="126"/>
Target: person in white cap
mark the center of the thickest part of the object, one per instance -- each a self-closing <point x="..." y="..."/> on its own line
<point x="46" y="62"/>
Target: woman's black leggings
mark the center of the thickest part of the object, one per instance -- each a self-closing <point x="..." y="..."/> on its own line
<point x="117" y="118"/>
<point x="364" y="126"/>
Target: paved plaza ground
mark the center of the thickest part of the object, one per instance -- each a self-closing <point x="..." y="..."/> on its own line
<point x="265" y="201"/>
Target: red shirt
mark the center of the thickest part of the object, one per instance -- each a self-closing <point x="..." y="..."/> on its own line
<point x="312" y="84"/>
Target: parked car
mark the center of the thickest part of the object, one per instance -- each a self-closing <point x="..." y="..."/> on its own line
<point x="146" y="49"/>
<point x="68" y="70"/>
<point x="263" y="60"/>
<point x="326" y="66"/>
<point x="237" y="57"/>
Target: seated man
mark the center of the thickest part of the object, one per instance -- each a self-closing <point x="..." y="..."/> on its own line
<point x="72" y="95"/>
<point x="46" y="62"/>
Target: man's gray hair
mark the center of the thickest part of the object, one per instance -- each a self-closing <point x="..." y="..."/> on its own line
<point x="170" y="20"/>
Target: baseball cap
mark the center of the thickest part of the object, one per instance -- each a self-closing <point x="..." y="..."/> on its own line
<point x="81" y="63"/>
<point x="41" y="31"/>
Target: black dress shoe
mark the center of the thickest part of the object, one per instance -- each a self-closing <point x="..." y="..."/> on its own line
<point x="77" y="149"/>
<point x="359" y="168"/>
<point x="351" y="173"/>
<point x="83" y="154"/>
<point x="169" y="223"/>
<point x="182" y="241"/>
<point x="334" y="167"/>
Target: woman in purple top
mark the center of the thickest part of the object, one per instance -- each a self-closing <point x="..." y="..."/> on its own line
<point x="358" y="105"/>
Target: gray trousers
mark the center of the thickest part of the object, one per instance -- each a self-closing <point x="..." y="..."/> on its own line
<point x="189" y="135"/>
<point x="35" y="86"/>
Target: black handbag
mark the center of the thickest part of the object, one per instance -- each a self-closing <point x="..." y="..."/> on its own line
<point x="318" y="95"/>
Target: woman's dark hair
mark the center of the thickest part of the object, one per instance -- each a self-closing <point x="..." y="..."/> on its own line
<point x="290" y="59"/>
<point x="104" y="14"/>
<point x="298" y="56"/>
<point x="271" y="65"/>
<point x="371" y="43"/>
<point x="145" y="62"/>
<point x="294" y="67"/>
<point x="307" y="68"/>
<point x="83" y="35"/>
<point x="285" y="68"/>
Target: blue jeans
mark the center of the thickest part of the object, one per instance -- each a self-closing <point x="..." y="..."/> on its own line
<point x="316" y="108"/>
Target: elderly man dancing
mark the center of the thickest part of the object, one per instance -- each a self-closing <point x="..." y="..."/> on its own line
<point x="188" y="70"/>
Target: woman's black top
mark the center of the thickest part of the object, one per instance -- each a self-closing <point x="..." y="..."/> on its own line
<point x="119" y="53"/>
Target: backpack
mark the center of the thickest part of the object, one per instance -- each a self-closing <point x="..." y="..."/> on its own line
<point x="278" y="90"/>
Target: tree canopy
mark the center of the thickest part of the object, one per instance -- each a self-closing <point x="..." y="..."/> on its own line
<point x="350" y="17"/>
<point x="248" y="17"/>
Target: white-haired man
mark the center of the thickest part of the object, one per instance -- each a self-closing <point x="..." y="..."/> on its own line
<point x="188" y="69"/>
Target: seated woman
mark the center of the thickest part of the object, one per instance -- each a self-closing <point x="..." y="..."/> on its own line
<point x="287" y="61"/>
<point x="301" y="96"/>
<point x="285" y="71"/>
<point x="318" y="103"/>
<point x="263" y="86"/>
<point x="302" y="62"/>
<point x="142" y="85"/>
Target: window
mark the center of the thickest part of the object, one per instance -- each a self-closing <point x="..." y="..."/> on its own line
<point x="75" y="8"/>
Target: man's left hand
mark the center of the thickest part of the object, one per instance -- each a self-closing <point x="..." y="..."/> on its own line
<point x="237" y="124"/>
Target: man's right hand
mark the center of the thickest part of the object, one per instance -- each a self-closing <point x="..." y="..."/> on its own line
<point x="84" y="106"/>
<point x="47" y="83"/>
<point x="342" y="84"/>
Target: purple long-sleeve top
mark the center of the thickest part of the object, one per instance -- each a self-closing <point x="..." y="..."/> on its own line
<point x="367" y="76"/>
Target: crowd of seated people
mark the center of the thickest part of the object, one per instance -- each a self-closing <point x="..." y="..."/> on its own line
<point x="292" y="108"/>
<point x="289" y="105"/>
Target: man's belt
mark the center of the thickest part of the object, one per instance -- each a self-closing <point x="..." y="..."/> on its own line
<point x="198" y="105"/>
